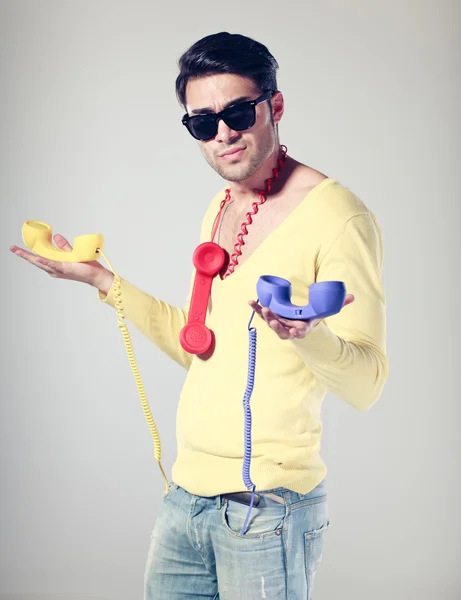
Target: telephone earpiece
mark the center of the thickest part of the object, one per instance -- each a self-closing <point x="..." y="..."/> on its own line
<point x="326" y="298"/>
<point x="195" y="336"/>
<point x="37" y="237"/>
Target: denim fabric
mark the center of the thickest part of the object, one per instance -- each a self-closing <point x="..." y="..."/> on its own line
<point x="197" y="550"/>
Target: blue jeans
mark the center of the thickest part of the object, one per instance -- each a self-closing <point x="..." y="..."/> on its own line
<point x="197" y="549"/>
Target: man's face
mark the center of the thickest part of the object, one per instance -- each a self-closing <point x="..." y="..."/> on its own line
<point x="248" y="149"/>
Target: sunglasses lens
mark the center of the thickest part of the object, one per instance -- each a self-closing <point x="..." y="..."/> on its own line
<point x="240" y="117"/>
<point x="202" y="127"/>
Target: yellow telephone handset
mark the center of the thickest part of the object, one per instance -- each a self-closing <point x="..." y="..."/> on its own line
<point x="37" y="237"/>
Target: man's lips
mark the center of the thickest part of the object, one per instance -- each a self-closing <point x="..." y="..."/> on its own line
<point x="232" y="153"/>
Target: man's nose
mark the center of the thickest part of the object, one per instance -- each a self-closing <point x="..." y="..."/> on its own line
<point x="225" y="134"/>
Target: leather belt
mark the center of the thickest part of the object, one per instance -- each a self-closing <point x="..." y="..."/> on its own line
<point x="245" y="498"/>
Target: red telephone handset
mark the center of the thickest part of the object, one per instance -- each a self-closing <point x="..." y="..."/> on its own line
<point x="195" y="336"/>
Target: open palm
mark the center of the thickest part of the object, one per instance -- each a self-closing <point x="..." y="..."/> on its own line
<point x="288" y="329"/>
<point x="86" y="272"/>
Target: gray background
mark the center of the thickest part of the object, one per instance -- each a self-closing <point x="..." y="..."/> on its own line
<point x="91" y="141"/>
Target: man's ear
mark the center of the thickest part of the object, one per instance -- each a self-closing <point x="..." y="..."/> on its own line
<point x="278" y="106"/>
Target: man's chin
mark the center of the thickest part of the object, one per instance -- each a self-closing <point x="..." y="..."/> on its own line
<point x="235" y="175"/>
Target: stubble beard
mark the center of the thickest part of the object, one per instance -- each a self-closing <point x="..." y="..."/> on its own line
<point x="242" y="169"/>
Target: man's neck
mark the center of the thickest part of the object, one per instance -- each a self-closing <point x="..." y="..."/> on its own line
<point x="243" y="192"/>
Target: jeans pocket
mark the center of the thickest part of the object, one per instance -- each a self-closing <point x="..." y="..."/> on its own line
<point x="265" y="520"/>
<point x="313" y="552"/>
<point x="171" y="487"/>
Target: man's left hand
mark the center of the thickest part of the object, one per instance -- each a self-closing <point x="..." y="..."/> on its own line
<point x="288" y="329"/>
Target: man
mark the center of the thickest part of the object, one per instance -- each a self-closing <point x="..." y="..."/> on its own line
<point x="300" y="225"/>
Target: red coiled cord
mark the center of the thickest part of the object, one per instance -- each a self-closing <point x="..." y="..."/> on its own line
<point x="262" y="198"/>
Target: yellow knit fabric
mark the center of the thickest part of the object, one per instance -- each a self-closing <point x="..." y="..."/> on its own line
<point x="330" y="235"/>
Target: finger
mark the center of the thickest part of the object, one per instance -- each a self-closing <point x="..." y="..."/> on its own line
<point x="62" y="243"/>
<point x="284" y="328"/>
<point x="42" y="263"/>
<point x="274" y="323"/>
<point x="268" y="315"/>
<point x="281" y="330"/>
<point x="349" y="299"/>
<point x="297" y="330"/>
<point x="292" y="323"/>
<point x="255" y="306"/>
<point x="49" y="264"/>
<point x="20" y="251"/>
<point x="300" y="329"/>
<point x="47" y="269"/>
<point x="25" y="254"/>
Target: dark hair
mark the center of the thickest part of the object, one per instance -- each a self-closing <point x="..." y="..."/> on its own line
<point x="227" y="53"/>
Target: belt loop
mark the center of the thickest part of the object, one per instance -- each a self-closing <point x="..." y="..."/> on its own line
<point x="218" y="501"/>
<point x="286" y="495"/>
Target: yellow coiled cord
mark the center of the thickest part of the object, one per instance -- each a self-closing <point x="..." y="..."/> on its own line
<point x="134" y="367"/>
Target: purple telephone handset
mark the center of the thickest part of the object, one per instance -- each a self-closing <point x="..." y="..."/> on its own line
<point x="326" y="298"/>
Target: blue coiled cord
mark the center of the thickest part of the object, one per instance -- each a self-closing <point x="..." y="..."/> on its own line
<point x="247" y="415"/>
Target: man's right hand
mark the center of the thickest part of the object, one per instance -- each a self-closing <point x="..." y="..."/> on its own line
<point x="91" y="273"/>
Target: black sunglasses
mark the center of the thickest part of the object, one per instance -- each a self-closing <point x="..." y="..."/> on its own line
<point x="238" y="117"/>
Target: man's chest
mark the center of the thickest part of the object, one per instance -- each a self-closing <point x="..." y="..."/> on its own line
<point x="244" y="233"/>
